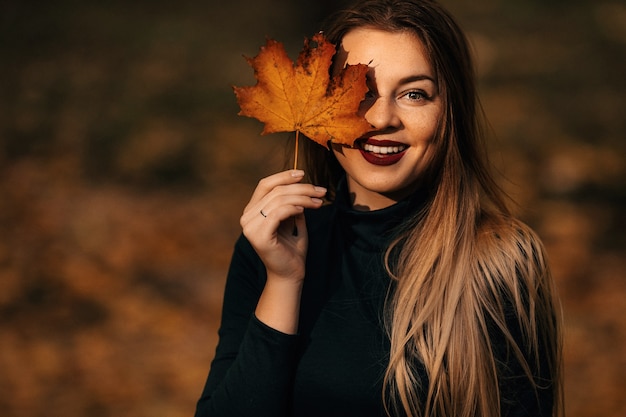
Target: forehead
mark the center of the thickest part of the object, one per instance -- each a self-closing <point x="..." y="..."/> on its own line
<point x="391" y="52"/>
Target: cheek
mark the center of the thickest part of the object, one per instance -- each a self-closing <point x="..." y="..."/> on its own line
<point x="352" y="162"/>
<point x="431" y="160"/>
<point x="426" y="125"/>
<point x="417" y="116"/>
<point x="345" y="155"/>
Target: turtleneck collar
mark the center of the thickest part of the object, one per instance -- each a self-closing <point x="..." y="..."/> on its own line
<point x="372" y="231"/>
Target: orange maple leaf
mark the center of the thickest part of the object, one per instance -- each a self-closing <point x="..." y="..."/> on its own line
<point x="303" y="97"/>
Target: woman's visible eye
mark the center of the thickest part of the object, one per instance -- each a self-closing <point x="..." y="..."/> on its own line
<point x="416" y="95"/>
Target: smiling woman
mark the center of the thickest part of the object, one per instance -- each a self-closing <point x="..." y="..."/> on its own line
<point x="403" y="106"/>
<point x="409" y="289"/>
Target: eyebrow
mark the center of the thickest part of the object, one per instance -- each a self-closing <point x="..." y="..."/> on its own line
<point x="409" y="79"/>
<point x="420" y="77"/>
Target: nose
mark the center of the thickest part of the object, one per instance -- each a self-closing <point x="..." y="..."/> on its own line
<point x="380" y="112"/>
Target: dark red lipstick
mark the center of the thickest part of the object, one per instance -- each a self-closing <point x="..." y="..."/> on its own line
<point x="382" y="152"/>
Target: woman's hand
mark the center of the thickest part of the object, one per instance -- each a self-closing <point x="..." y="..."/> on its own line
<point x="273" y="222"/>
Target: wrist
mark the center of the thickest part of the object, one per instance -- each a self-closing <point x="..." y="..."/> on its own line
<point x="279" y="304"/>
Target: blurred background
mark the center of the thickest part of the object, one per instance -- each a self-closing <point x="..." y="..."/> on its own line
<point x="124" y="169"/>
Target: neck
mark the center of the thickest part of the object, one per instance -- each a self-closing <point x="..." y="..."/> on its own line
<point x="367" y="200"/>
<point x="370" y="204"/>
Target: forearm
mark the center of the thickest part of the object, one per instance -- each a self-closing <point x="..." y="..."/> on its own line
<point x="279" y="304"/>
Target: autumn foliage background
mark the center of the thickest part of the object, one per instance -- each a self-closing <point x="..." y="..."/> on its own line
<point x="124" y="169"/>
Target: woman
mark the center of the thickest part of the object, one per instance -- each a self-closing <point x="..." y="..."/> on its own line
<point x="413" y="292"/>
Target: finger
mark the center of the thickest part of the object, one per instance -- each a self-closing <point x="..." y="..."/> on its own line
<point x="306" y="195"/>
<point x="271" y="210"/>
<point x="299" y="227"/>
<point x="280" y="208"/>
<point x="264" y="229"/>
<point x="267" y="184"/>
<point x="283" y="193"/>
<point x="293" y="229"/>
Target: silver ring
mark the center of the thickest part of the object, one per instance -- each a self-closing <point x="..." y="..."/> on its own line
<point x="262" y="214"/>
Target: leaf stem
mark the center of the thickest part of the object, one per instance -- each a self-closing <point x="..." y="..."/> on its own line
<point x="294" y="232"/>
<point x="295" y="159"/>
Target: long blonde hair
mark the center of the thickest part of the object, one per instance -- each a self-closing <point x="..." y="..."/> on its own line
<point x="468" y="277"/>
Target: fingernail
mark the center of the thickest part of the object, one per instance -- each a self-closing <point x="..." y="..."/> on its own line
<point x="320" y="189"/>
<point x="317" y="200"/>
<point x="297" y="173"/>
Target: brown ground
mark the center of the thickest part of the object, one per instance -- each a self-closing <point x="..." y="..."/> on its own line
<point x="123" y="170"/>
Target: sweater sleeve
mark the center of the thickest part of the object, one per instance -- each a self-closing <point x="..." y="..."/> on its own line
<point x="524" y="326"/>
<point x="252" y="371"/>
<point x="521" y="396"/>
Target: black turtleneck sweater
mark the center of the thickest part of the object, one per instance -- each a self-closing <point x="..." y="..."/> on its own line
<point x="335" y="365"/>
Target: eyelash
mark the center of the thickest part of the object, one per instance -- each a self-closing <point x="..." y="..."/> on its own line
<point x="422" y="95"/>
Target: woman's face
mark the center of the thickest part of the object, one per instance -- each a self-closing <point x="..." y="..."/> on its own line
<point x="404" y="107"/>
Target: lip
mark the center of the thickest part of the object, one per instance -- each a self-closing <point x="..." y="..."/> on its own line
<point x="381" y="159"/>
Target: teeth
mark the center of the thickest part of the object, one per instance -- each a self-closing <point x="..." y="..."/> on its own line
<point x="383" y="150"/>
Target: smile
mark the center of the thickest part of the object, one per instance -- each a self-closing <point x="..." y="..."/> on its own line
<point x="383" y="152"/>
